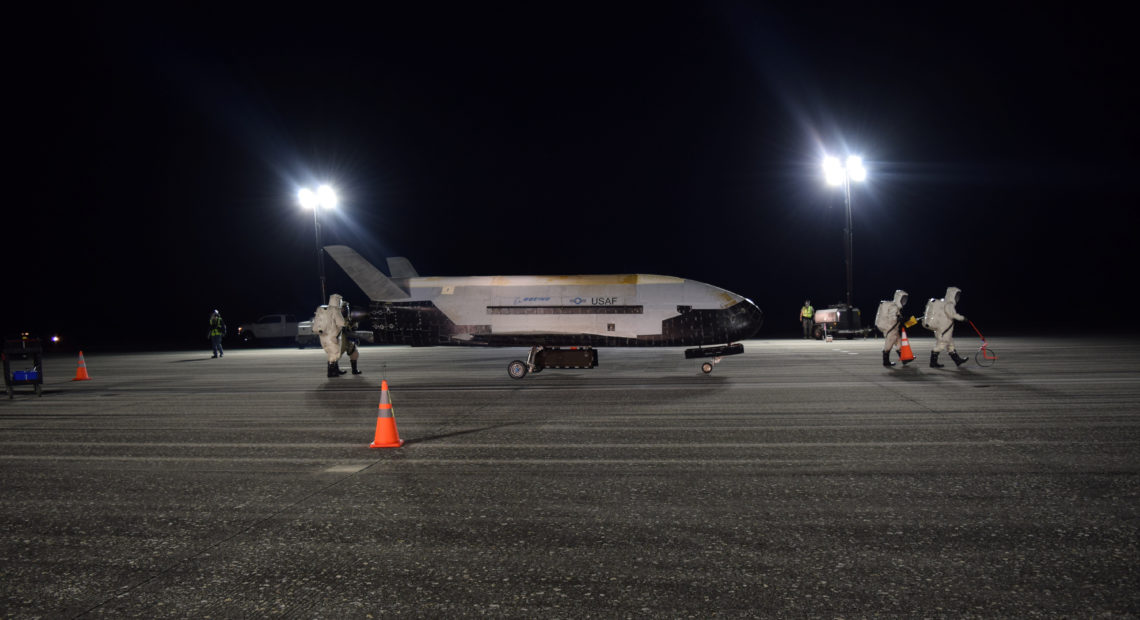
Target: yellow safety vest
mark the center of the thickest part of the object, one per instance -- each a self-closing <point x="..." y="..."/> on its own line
<point x="807" y="312"/>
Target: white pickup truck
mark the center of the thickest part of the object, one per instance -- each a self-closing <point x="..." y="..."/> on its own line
<point x="276" y="328"/>
<point x="306" y="337"/>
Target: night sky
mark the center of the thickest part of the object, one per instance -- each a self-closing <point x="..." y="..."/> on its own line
<point x="156" y="156"/>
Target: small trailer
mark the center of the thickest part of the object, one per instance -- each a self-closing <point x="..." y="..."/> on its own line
<point x="839" y="321"/>
<point x="24" y="348"/>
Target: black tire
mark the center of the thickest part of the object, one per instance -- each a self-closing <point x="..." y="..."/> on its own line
<point x="516" y="369"/>
<point x="248" y="338"/>
<point x="981" y="359"/>
<point x="706" y="367"/>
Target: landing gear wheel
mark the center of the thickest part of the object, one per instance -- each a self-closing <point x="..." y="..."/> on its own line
<point x="706" y="367"/>
<point x="516" y="369"/>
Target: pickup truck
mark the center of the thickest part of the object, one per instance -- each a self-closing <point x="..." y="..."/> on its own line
<point x="306" y="337"/>
<point x="278" y="328"/>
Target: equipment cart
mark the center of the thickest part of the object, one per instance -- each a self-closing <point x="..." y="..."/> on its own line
<point x="24" y="349"/>
<point x="840" y="321"/>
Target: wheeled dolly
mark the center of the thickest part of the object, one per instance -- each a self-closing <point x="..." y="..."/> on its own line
<point x="553" y="357"/>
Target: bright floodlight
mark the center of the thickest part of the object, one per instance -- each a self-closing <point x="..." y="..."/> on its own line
<point x="832" y="171"/>
<point x="855" y="168"/>
<point x="307" y="198"/>
<point x="327" y="196"/>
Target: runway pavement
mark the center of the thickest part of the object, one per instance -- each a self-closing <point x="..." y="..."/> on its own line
<point x="799" y="479"/>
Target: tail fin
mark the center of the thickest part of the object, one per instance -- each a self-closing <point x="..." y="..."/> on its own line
<point x="401" y="268"/>
<point x="370" y="280"/>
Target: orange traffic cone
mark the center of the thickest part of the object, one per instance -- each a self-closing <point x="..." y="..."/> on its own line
<point x="386" y="434"/>
<point x="81" y="372"/>
<point x="905" y="354"/>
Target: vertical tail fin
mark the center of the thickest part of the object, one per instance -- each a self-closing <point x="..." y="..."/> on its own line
<point x="401" y="268"/>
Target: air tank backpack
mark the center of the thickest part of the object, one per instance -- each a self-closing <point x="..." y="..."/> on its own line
<point x="932" y="306"/>
<point x="885" y="318"/>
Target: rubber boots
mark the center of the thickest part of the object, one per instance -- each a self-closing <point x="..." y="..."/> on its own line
<point x="934" y="360"/>
<point x="333" y="370"/>
<point x="354" y="370"/>
<point x="958" y="359"/>
<point x="887" y="359"/>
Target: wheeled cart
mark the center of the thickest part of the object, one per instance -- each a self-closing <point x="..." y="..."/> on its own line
<point x="553" y="357"/>
<point x="24" y="349"/>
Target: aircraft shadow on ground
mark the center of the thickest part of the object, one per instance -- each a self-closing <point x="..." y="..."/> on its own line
<point x="469" y="431"/>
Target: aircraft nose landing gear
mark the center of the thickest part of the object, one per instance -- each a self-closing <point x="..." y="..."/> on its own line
<point x="716" y="353"/>
<point x="707" y="367"/>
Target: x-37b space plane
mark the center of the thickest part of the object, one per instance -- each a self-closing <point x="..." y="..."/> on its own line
<point x="563" y="319"/>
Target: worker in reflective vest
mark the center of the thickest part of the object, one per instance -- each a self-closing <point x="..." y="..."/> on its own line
<point x="807" y="314"/>
<point x="217" y="332"/>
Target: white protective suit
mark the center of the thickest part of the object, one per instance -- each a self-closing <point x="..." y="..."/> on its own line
<point x="889" y="319"/>
<point x="939" y="318"/>
<point x="328" y="323"/>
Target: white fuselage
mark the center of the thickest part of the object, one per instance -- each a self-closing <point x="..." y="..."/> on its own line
<point x="616" y="306"/>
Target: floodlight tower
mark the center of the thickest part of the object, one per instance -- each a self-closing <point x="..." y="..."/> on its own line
<point x="836" y="175"/>
<point x="323" y="198"/>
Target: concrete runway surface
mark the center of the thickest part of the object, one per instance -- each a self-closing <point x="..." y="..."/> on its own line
<point x="799" y="479"/>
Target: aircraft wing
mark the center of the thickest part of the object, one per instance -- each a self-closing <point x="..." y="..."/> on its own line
<point x="370" y="279"/>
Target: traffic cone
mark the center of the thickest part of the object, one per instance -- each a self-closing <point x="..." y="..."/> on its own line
<point x="905" y="354"/>
<point x="81" y="372"/>
<point x="386" y="434"/>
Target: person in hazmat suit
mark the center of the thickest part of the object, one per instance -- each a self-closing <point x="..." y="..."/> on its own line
<point x="889" y="321"/>
<point x="939" y="318"/>
<point x="329" y="323"/>
<point x="348" y="340"/>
